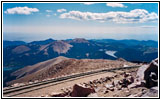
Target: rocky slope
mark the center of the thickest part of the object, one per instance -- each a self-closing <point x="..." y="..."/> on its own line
<point x="61" y="66"/>
<point x="142" y="82"/>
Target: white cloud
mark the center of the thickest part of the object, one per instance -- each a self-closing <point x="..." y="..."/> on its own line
<point x="116" y="5"/>
<point x="88" y="3"/>
<point x="61" y="10"/>
<point x="112" y="4"/>
<point x="21" y="10"/>
<point x="48" y="11"/>
<point x="134" y="16"/>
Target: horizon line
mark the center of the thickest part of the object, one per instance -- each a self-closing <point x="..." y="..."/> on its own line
<point x="81" y="38"/>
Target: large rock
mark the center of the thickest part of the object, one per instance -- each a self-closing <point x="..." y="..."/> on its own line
<point x="79" y="91"/>
<point x="148" y="74"/>
<point x="140" y="73"/>
<point x="151" y="74"/>
<point x="153" y="92"/>
<point x="61" y="94"/>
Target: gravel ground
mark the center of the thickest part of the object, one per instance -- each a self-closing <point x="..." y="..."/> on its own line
<point x="66" y="84"/>
<point x="100" y="89"/>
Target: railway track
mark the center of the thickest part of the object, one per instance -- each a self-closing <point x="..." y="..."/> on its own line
<point x="13" y="91"/>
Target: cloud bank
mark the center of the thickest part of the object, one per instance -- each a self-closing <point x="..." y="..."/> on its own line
<point x="113" y="4"/>
<point x="134" y="16"/>
<point x="21" y="10"/>
<point x="89" y="3"/>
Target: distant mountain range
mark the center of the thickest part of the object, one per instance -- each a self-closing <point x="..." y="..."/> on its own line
<point x="20" y="54"/>
<point x="130" y="42"/>
<point x="12" y="43"/>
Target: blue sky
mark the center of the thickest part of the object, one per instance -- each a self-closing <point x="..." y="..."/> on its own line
<point x="36" y="21"/>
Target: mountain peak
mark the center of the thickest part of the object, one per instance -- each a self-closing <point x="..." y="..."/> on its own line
<point x="61" y="57"/>
<point x="42" y="42"/>
<point x="60" y="46"/>
<point x="79" y="40"/>
<point x="50" y="39"/>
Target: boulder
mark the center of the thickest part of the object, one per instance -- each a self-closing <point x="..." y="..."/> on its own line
<point x="107" y="79"/>
<point x="115" y="83"/>
<point x="151" y="74"/>
<point x="126" y="74"/>
<point x="93" y="95"/>
<point x="59" y="94"/>
<point x="79" y="91"/>
<point x="106" y="91"/>
<point x="153" y="92"/>
<point x="136" y="85"/>
<point x="125" y="82"/>
<point x="108" y="85"/>
<point x="111" y="89"/>
<point x="148" y="74"/>
<point x="131" y="79"/>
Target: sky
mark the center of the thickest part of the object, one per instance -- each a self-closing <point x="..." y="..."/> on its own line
<point x="107" y="20"/>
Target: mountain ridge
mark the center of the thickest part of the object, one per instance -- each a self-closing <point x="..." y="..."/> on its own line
<point x="34" y="52"/>
<point x="59" y="66"/>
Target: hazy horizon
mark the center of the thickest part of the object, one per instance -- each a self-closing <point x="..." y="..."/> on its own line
<point x="30" y="39"/>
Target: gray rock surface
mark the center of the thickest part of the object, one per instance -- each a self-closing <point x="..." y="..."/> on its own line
<point x="153" y="92"/>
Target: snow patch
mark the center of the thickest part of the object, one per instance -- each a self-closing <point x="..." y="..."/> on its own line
<point x="126" y="65"/>
<point x="111" y="53"/>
